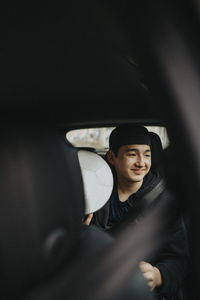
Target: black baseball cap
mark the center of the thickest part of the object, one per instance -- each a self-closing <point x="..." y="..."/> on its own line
<point x="129" y="134"/>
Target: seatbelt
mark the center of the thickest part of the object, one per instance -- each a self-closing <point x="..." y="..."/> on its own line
<point x="139" y="208"/>
<point x="147" y="200"/>
<point x="151" y="196"/>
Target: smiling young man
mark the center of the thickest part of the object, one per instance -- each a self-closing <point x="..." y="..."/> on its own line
<point x="129" y="156"/>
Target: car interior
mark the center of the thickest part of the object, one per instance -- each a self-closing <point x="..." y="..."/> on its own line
<point x="79" y="65"/>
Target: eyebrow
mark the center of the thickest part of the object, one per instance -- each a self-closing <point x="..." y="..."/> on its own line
<point x="136" y="150"/>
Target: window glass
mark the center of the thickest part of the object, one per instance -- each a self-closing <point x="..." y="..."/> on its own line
<point x="98" y="137"/>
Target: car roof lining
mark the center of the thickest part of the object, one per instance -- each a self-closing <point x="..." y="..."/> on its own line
<point x="76" y="74"/>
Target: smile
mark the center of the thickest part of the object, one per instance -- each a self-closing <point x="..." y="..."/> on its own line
<point x="138" y="171"/>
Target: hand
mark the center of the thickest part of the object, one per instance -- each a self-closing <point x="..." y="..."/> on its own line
<point x="152" y="274"/>
<point x="88" y="219"/>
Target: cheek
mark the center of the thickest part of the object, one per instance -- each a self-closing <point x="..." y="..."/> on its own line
<point x="148" y="164"/>
<point x="128" y="163"/>
<point x="123" y="165"/>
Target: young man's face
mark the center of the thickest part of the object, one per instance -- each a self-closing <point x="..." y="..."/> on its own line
<point x="132" y="162"/>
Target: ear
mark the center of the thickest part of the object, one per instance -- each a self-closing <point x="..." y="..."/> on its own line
<point x="110" y="157"/>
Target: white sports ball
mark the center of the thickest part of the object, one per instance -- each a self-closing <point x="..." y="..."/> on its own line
<point x="97" y="180"/>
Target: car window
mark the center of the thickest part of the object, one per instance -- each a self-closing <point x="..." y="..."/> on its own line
<point x="98" y="138"/>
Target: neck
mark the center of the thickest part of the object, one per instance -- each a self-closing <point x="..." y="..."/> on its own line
<point x="125" y="189"/>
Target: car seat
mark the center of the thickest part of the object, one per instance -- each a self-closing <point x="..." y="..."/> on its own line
<point x="41" y="207"/>
<point x="156" y="153"/>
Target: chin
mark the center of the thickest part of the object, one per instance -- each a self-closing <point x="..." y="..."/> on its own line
<point x="137" y="179"/>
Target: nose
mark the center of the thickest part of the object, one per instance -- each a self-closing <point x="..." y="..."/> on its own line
<point x="140" y="161"/>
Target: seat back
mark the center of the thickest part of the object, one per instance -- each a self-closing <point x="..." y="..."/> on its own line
<point x="40" y="209"/>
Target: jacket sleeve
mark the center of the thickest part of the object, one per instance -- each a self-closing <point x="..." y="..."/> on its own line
<point x="100" y="217"/>
<point x="173" y="260"/>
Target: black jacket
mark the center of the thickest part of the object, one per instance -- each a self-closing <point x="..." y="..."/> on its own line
<point x="173" y="259"/>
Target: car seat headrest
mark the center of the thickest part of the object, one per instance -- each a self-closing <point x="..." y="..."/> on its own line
<point x="156" y="151"/>
<point x="97" y="180"/>
<point x="41" y="205"/>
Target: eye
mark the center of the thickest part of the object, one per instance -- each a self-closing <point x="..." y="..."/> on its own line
<point x="131" y="154"/>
